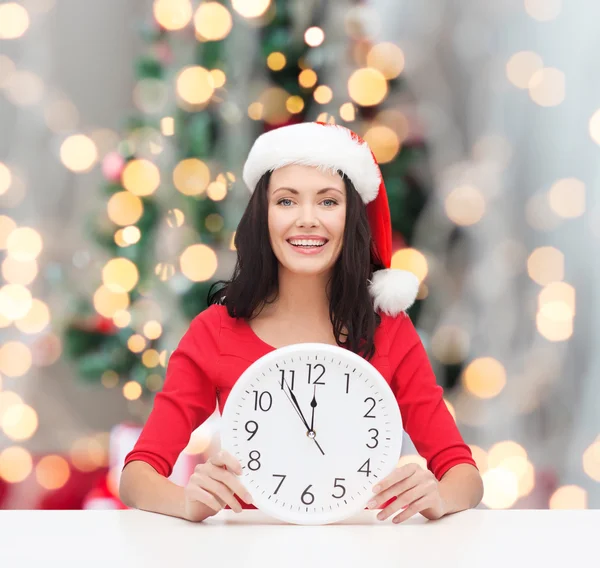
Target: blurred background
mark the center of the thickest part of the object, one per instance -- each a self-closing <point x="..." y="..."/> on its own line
<point x="123" y="130"/>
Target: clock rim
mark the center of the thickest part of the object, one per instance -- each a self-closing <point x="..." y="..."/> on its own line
<point x="227" y="424"/>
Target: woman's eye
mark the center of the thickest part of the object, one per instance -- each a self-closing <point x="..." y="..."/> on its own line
<point x="332" y="201"/>
<point x="281" y="201"/>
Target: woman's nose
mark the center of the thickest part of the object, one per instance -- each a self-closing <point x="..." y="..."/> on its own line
<point x="307" y="216"/>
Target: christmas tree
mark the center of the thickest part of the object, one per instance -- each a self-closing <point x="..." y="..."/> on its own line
<point x="173" y="192"/>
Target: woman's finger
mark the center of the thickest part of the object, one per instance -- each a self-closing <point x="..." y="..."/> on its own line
<point x="220" y="491"/>
<point x="231" y="481"/>
<point x="399" y="474"/>
<point x="393" y="491"/>
<point x="195" y="493"/>
<point x="225" y="459"/>
<point x="402" y="501"/>
<point x="414" y="508"/>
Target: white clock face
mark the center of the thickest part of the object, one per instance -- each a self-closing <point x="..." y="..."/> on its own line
<point x="314" y="427"/>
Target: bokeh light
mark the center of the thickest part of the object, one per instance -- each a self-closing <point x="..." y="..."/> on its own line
<point x="521" y="67"/>
<point x="52" y="472"/>
<point x="173" y="14"/>
<point x="132" y="390"/>
<point x="191" y="176"/>
<point x="594" y="127"/>
<point x="37" y="318"/>
<point x="543" y="10"/>
<point x="276" y="61"/>
<point x="216" y="191"/>
<point x="15" y="464"/>
<point x="545" y="265"/>
<point x="20" y="422"/>
<point x="78" y="153"/>
<point x="251" y="8"/>
<point x="307" y="78"/>
<point x="150" y="358"/>
<point x="314" y="36"/>
<point x="295" y="104"/>
<point x="274" y="105"/>
<point x="195" y="85"/>
<point x="484" y="377"/>
<point x="569" y="497"/>
<point x="547" y="87"/>
<point x="24" y="244"/>
<point x="124" y="208"/>
<point x="384" y="143"/>
<point x="198" y="263"/>
<point x="367" y="86"/>
<point x="212" y="21"/>
<point x="465" y="205"/>
<point x="15" y="301"/>
<point x="88" y="454"/>
<point x="19" y="272"/>
<point x="591" y="460"/>
<point x="141" y="177"/>
<point x="347" y="112"/>
<point x="136" y="343"/>
<point x="323" y="94"/>
<point x="567" y="197"/>
<point x="388" y="58"/>
<point x="7" y="226"/>
<point x="15" y="359"/>
<point x="107" y="302"/>
<point x="120" y="275"/>
<point x="500" y="488"/>
<point x="5" y="178"/>
<point x="556" y="311"/>
<point x="412" y="260"/>
<point x="152" y="330"/>
<point x="14" y="20"/>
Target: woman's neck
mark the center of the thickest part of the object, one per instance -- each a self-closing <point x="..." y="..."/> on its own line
<point x="301" y="297"/>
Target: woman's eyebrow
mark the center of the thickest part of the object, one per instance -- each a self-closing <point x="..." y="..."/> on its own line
<point x="295" y="191"/>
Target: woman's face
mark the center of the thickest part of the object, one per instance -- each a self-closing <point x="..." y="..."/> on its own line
<point x="307" y="215"/>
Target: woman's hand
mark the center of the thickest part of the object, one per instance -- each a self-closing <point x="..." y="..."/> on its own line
<point x="212" y="486"/>
<point x="416" y="491"/>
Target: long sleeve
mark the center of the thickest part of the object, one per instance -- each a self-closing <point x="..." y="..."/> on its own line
<point x="425" y="416"/>
<point x="187" y="399"/>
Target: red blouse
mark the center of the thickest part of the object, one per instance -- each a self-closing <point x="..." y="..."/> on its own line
<point x="217" y="349"/>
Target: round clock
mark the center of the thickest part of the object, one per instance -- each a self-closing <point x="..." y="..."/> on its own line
<point x="314" y="427"/>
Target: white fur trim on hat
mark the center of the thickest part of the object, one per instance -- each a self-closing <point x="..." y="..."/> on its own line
<point x="330" y="147"/>
<point x="393" y="291"/>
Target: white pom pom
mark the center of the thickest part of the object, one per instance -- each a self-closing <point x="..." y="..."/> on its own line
<point x="393" y="290"/>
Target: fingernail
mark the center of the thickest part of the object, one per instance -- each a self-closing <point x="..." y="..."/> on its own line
<point x="248" y="498"/>
<point x="371" y="504"/>
<point x="377" y="488"/>
<point x="380" y="516"/>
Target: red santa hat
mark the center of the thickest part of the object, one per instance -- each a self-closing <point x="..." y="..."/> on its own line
<point x="334" y="147"/>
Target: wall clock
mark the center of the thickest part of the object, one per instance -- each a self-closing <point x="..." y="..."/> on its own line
<point x="314" y="427"/>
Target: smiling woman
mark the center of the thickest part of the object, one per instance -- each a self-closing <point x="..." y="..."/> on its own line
<point x="313" y="266"/>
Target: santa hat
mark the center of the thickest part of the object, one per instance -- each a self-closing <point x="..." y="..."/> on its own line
<point x="334" y="147"/>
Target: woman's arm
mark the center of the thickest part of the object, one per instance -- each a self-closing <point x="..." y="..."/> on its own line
<point x="460" y="488"/>
<point x="187" y="399"/>
<point x="142" y="487"/>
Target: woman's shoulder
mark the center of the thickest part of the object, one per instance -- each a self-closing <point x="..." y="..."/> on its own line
<point x="392" y="326"/>
<point x="209" y="319"/>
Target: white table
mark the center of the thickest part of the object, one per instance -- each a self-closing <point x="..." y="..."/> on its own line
<point x="131" y="538"/>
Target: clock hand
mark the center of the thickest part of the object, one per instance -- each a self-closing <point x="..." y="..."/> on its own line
<point x="296" y="407"/>
<point x="313" y="404"/>
<point x="295" y="404"/>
